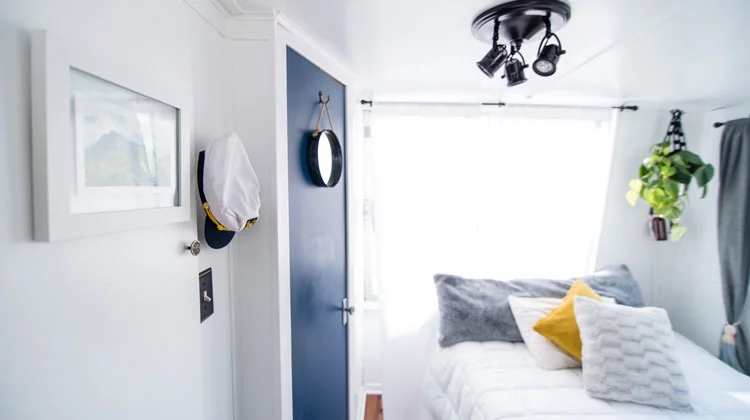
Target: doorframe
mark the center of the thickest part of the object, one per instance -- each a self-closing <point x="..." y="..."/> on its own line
<point x="288" y="34"/>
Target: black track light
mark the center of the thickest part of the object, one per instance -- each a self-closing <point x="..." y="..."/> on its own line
<point x="514" y="72"/>
<point x="548" y="56"/>
<point x="493" y="60"/>
<point x="514" y="67"/>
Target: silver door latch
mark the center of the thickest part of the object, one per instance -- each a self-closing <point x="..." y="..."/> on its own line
<point x="346" y="310"/>
<point x="194" y="248"/>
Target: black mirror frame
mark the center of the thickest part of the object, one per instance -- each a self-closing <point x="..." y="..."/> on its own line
<point x="337" y="159"/>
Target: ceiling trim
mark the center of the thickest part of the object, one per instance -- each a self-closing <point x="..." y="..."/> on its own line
<point x="255" y="25"/>
<point x="326" y="54"/>
<point x="213" y="13"/>
<point x="257" y="15"/>
<point x="259" y="25"/>
<point x="232" y="6"/>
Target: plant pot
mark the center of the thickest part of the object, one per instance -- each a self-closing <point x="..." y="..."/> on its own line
<point x="660" y="227"/>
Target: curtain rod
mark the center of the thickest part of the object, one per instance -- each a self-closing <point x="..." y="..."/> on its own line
<point x="497" y="104"/>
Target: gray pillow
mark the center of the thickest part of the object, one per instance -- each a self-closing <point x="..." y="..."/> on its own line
<point x="629" y="355"/>
<point x="615" y="282"/>
<point x="478" y="310"/>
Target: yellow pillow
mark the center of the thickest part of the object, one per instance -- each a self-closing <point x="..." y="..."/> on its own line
<point x="560" y="326"/>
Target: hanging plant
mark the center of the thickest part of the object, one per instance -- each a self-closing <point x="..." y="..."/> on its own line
<point x="665" y="177"/>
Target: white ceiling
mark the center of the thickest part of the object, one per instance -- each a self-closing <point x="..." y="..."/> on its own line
<point x="655" y="50"/>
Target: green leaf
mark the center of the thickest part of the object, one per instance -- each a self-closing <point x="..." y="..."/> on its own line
<point x="636" y="185"/>
<point x="672" y="188"/>
<point x="665" y="143"/>
<point x="666" y="150"/>
<point x="655" y="196"/>
<point x="682" y="176"/>
<point x="677" y="232"/>
<point x="672" y="213"/>
<point x="705" y="191"/>
<point x="656" y="183"/>
<point x="670" y="201"/>
<point x="668" y="171"/>
<point x="643" y="172"/>
<point x="632" y="197"/>
<point x="704" y="174"/>
<point x="689" y="157"/>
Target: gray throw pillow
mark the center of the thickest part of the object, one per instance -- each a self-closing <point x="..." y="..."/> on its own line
<point x="478" y="310"/>
<point x="629" y="355"/>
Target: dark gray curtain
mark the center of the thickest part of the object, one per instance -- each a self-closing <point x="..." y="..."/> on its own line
<point x="734" y="240"/>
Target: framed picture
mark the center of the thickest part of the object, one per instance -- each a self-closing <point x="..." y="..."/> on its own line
<point x="111" y="146"/>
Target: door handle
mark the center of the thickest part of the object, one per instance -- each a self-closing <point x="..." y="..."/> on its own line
<point x="346" y="310"/>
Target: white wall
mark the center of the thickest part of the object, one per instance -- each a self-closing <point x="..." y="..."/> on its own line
<point x="625" y="237"/>
<point x="107" y="327"/>
<point x="258" y="277"/>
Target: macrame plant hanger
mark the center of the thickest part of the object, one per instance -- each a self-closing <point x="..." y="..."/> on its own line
<point x="674" y="132"/>
<point x="676" y="136"/>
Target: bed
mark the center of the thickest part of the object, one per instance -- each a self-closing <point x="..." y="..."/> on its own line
<point x="500" y="380"/>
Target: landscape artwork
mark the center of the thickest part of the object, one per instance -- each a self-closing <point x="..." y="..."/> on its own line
<point x="126" y="148"/>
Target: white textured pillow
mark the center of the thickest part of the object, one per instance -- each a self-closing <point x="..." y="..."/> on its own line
<point x="527" y="311"/>
<point x="629" y="355"/>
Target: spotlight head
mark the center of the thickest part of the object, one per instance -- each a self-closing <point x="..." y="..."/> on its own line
<point x="514" y="72"/>
<point x="493" y="60"/>
<point x="546" y="63"/>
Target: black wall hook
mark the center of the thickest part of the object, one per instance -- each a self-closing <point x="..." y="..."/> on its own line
<point x="320" y="98"/>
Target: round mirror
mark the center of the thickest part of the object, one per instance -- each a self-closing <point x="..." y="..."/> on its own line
<point x="324" y="158"/>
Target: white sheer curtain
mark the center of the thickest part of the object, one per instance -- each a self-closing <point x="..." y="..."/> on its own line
<point x="517" y="193"/>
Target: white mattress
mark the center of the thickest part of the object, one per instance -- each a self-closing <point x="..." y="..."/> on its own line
<point x="487" y="381"/>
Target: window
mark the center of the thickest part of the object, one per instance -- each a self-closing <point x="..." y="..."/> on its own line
<point x="518" y="193"/>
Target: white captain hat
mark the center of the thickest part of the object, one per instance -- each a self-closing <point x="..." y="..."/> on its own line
<point x="228" y="189"/>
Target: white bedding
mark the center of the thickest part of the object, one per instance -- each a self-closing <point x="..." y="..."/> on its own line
<point x="488" y="381"/>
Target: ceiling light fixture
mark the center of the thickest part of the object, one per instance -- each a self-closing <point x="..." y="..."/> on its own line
<point x="548" y="55"/>
<point x="513" y="23"/>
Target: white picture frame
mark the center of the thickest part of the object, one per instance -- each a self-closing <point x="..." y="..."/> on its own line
<point x="66" y="206"/>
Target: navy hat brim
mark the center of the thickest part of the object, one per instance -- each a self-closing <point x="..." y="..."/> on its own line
<point x="216" y="238"/>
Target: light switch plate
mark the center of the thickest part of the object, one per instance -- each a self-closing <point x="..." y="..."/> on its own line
<point x="206" y="286"/>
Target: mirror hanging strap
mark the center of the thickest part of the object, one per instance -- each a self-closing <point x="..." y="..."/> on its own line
<point x="323" y="106"/>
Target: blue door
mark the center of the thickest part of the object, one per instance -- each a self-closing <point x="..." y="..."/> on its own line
<point x="317" y="233"/>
